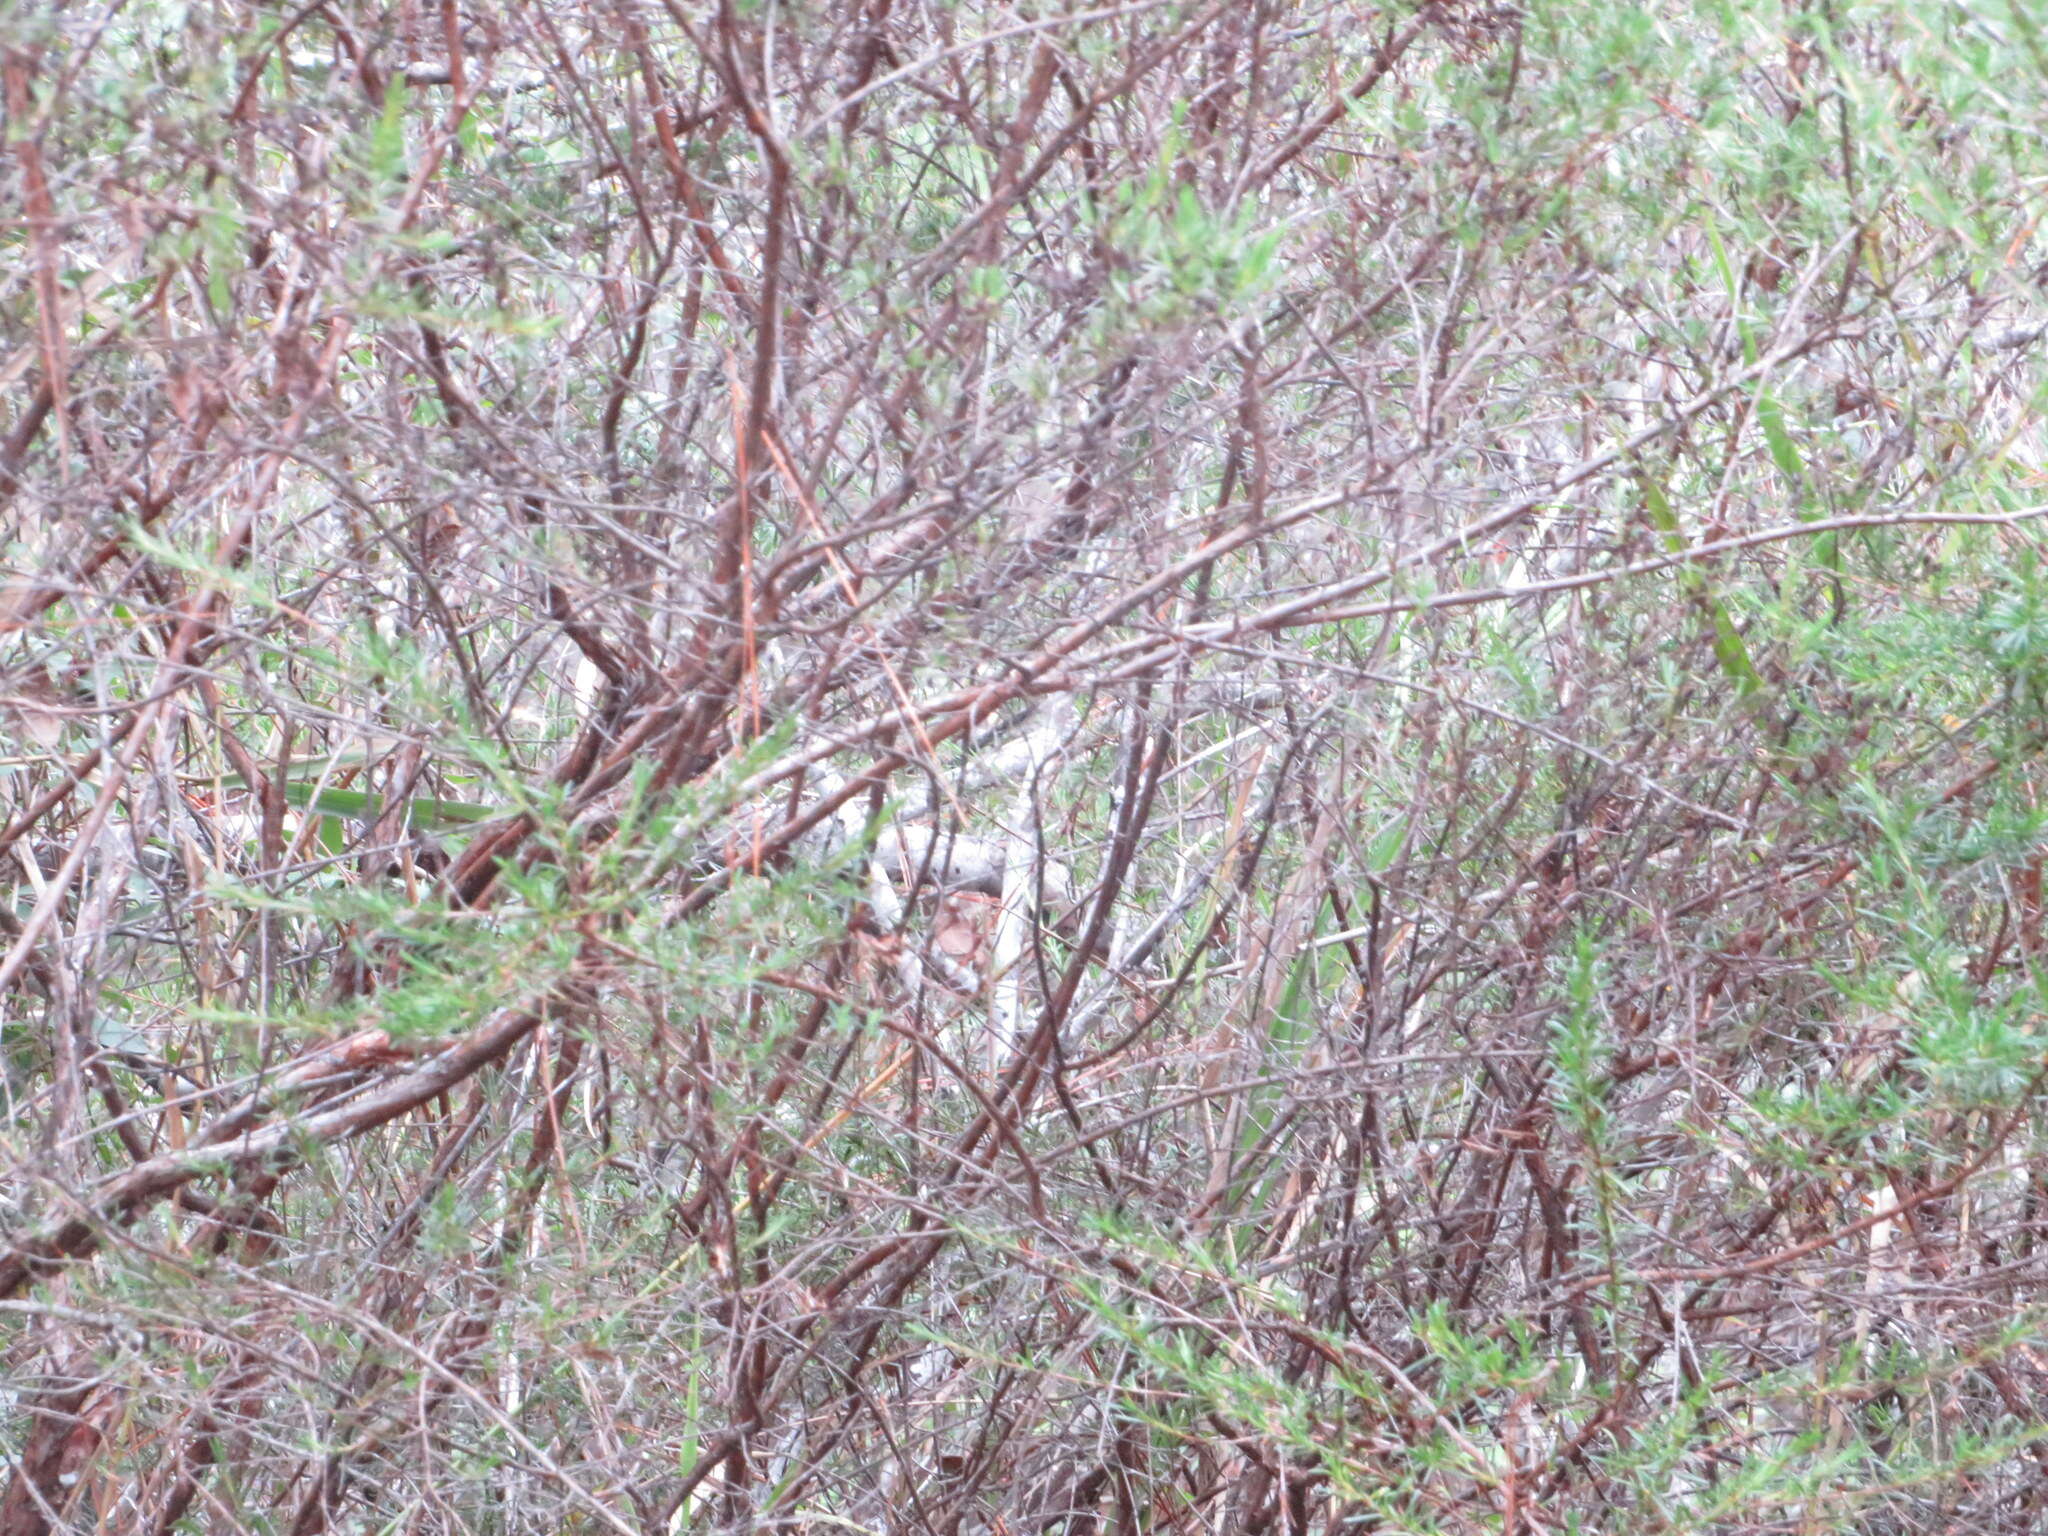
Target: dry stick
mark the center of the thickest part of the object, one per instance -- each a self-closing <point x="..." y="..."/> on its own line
<point x="1777" y="533"/>
<point x="1005" y="1128"/>
<point x="197" y="1453"/>
<point x="1314" y="607"/>
<point x="75" y="775"/>
<point x="247" y="94"/>
<point x="1059" y="663"/>
<point x="453" y="1381"/>
<point x="360" y="1439"/>
<point x="970" y="707"/>
<point x="947" y="252"/>
<point x="1506" y="717"/>
<point x="15" y="447"/>
<point x="1001" y="34"/>
<point x="847" y="585"/>
<point x="69" y="1422"/>
<point x="197" y="623"/>
<point x="1783" y="1256"/>
<point x="922" y="1244"/>
<point x="42" y="218"/>
<point x="532" y="507"/>
<point x="87" y="835"/>
<point x="14" y="451"/>
<point x="1387" y="56"/>
<point x="919" y="1246"/>
<point x="38" y="598"/>
<point x="278" y="1146"/>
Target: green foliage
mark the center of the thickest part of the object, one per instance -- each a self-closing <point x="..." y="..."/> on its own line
<point x="1078" y="770"/>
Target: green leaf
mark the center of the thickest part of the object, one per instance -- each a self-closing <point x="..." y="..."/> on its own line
<point x="1729" y="649"/>
<point x="421" y="810"/>
<point x="387" y="140"/>
<point x="1662" y="518"/>
<point x="1257" y="258"/>
<point x="1386" y="844"/>
<point x="1771" y="417"/>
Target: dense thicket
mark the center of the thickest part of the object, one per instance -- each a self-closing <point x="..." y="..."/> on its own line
<point x="1229" y="766"/>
